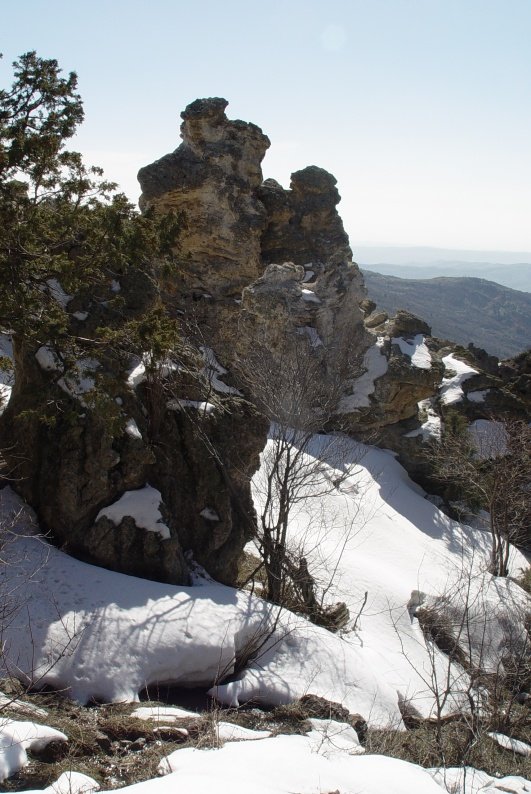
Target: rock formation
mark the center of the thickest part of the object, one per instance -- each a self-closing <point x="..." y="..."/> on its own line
<point x="258" y="266"/>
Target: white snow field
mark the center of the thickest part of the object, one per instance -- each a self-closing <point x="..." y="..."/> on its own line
<point x="98" y="634"/>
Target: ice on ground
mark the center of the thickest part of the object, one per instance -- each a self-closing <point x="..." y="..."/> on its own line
<point x="142" y="505"/>
<point x="131" y="429"/>
<point x="451" y="390"/>
<point x="164" y="714"/>
<point x="513" y="745"/>
<point x="213" y="371"/>
<point x="375" y="363"/>
<point x="198" y="405"/>
<point x="57" y="292"/>
<point x="416" y="350"/>
<point x="431" y="427"/>
<point x="309" y="296"/>
<point x="48" y="359"/>
<point x="17" y="737"/>
<point x="477" y="396"/>
<point x="489" y="438"/>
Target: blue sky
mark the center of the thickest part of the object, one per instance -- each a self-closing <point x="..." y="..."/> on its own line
<point x="420" y="108"/>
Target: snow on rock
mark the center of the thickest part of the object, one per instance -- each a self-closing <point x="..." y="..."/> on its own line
<point x="80" y="380"/>
<point x="142" y="505"/>
<point x="213" y="371"/>
<point x="57" y="292"/>
<point x="416" y="350"/>
<point x="131" y="429"/>
<point x="17" y="737"/>
<point x="451" y="390"/>
<point x="513" y="745"/>
<point x="209" y="514"/>
<point x="137" y="374"/>
<point x="48" y="359"/>
<point x="198" y="405"/>
<point x="287" y="764"/>
<point x="7" y="376"/>
<point x="477" y="396"/>
<point x="431" y="427"/>
<point x="310" y="296"/>
<point x="375" y="364"/>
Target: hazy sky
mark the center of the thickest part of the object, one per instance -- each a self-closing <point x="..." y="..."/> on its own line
<point x="420" y="108"/>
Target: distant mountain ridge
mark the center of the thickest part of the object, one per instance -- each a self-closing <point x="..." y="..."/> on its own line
<point x="463" y="309"/>
<point x="516" y="276"/>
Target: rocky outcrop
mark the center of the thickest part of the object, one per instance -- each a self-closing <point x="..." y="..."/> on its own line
<point x="258" y="263"/>
<point x="211" y="182"/>
<point x="77" y="435"/>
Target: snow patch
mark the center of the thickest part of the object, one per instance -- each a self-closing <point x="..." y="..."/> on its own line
<point x="513" y="745"/>
<point x="309" y="296"/>
<point x="166" y="714"/>
<point x="7" y="376"/>
<point x="477" y="396"/>
<point x="81" y="316"/>
<point x="17" y="737"/>
<point x="141" y="505"/>
<point x="375" y="363"/>
<point x="416" y="350"/>
<point x="48" y="359"/>
<point x="116" y="286"/>
<point x="312" y="334"/>
<point x="57" y="292"/>
<point x="209" y="514"/>
<point x="213" y="371"/>
<point x="451" y="390"/>
<point x="131" y="429"/>
<point x="202" y="407"/>
<point x="80" y="380"/>
<point x="431" y="427"/>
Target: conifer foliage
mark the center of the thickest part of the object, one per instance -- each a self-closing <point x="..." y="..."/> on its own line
<point x="62" y="226"/>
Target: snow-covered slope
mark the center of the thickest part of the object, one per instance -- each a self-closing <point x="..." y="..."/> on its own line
<point x="105" y="635"/>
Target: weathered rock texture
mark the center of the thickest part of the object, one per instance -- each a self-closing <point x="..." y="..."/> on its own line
<point x="211" y="181"/>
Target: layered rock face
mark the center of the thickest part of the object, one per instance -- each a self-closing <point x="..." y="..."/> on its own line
<point x="258" y="264"/>
<point x="211" y="181"/>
